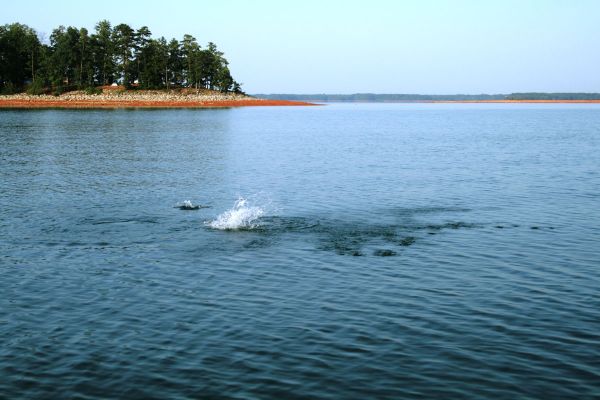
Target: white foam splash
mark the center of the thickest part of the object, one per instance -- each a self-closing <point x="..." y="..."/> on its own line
<point x="187" y="203"/>
<point x="241" y="216"/>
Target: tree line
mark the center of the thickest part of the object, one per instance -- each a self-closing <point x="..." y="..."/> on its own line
<point x="76" y="59"/>
<point x="383" y="98"/>
<point x="379" y="97"/>
<point x="553" y="96"/>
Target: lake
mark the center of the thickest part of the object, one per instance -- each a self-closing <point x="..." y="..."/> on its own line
<point x="341" y="251"/>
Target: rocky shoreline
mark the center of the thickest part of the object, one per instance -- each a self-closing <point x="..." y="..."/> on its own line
<point x="140" y="98"/>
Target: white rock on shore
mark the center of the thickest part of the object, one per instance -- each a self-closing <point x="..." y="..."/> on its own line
<point x="142" y="95"/>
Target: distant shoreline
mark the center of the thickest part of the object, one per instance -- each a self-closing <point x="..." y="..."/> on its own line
<point x="526" y="97"/>
<point x="508" y="101"/>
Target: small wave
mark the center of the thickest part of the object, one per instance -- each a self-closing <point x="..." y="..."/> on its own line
<point x="241" y="216"/>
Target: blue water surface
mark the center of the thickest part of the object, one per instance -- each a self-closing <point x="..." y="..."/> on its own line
<point x="382" y="251"/>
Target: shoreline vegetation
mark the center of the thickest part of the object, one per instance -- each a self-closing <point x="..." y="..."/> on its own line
<point x="115" y="67"/>
<point x="72" y="59"/>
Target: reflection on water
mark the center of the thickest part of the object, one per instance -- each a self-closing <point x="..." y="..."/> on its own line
<point x="375" y="251"/>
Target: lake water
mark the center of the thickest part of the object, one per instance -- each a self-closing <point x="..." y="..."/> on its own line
<point x="346" y="251"/>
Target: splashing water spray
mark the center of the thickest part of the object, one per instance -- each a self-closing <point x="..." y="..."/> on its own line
<point x="241" y="216"/>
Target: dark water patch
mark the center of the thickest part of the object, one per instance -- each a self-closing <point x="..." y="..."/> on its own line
<point x="448" y="225"/>
<point x="538" y="227"/>
<point x="258" y="243"/>
<point x="106" y="221"/>
<point x="54" y="229"/>
<point x="272" y="225"/>
<point x="400" y="240"/>
<point x="384" y="253"/>
<point x="407" y="241"/>
<point x="417" y="211"/>
<point x="344" y="237"/>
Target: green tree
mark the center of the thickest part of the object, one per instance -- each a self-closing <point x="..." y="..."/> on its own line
<point x="103" y="53"/>
<point x="85" y="69"/>
<point x="124" y="41"/>
<point x="237" y="87"/>
<point x="175" y="64"/>
<point x="141" y="54"/>
<point x="224" y="80"/>
<point x="65" y="56"/>
<point x="153" y="69"/>
<point x="19" y="55"/>
<point x="190" y="51"/>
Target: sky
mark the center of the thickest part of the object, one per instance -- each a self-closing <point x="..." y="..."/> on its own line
<point x="366" y="46"/>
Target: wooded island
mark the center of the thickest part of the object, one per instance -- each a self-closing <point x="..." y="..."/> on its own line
<point x="74" y="59"/>
<point x="115" y="67"/>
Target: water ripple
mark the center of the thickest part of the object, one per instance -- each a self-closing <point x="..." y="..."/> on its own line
<point x="402" y="251"/>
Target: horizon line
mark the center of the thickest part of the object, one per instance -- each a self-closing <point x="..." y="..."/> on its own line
<point x="420" y="94"/>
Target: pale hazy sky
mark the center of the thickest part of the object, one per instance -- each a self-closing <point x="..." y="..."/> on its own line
<point x="346" y="46"/>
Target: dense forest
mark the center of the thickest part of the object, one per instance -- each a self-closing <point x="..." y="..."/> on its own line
<point x="390" y="98"/>
<point x="75" y="59"/>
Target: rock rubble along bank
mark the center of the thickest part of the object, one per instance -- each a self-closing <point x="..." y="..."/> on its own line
<point x="140" y="98"/>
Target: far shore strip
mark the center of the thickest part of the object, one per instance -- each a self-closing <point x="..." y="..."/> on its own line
<point x="206" y="99"/>
<point x="512" y="101"/>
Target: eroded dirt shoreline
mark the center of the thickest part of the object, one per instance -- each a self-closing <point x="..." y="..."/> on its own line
<point x="146" y="99"/>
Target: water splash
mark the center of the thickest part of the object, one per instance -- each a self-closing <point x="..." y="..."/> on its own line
<point x="188" y="205"/>
<point x="241" y="216"/>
